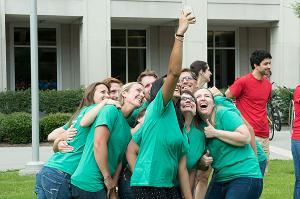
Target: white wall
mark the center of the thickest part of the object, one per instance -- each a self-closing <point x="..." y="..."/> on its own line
<point x="70" y="68"/>
<point x="3" y="79"/>
<point x="243" y="9"/>
<point x="46" y="7"/>
<point x="285" y="47"/>
<point x="251" y="39"/>
<point x="95" y="42"/>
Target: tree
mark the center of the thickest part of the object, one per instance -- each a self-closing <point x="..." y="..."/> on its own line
<point x="296" y="7"/>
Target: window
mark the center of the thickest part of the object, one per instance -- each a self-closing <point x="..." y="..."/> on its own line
<point x="221" y="57"/>
<point x="128" y="54"/>
<point x="47" y="57"/>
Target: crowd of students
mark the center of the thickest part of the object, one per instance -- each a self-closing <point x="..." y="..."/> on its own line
<point x="160" y="137"/>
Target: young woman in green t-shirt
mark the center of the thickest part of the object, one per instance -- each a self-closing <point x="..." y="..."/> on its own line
<point x="236" y="169"/>
<point x="53" y="180"/>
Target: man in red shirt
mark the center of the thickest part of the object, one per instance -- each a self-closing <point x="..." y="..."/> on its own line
<point x="252" y="93"/>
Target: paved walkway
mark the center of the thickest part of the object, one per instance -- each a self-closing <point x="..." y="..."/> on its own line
<point x="17" y="157"/>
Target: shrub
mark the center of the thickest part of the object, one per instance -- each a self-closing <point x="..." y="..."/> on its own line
<point x="16" y="128"/>
<point x="15" y="101"/>
<point x="66" y="101"/>
<point x="281" y="98"/>
<point x="51" y="101"/>
<point x="51" y="122"/>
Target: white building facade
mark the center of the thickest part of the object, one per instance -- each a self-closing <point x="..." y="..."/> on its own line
<point x="82" y="41"/>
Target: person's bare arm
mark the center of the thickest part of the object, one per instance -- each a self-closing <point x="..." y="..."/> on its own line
<point x="101" y="137"/>
<point x="239" y="137"/>
<point x="131" y="154"/>
<point x="228" y="94"/>
<point x="175" y="61"/>
<point x="91" y="115"/>
<point x="184" y="179"/>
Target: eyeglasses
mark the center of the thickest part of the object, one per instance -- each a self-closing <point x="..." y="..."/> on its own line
<point x="188" y="98"/>
<point x="187" y="78"/>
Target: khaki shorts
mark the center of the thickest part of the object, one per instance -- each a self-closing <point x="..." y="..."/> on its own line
<point x="265" y="143"/>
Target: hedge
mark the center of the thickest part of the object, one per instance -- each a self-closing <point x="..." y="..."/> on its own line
<point x="51" y="122"/>
<point x="51" y="101"/>
<point x="281" y="98"/>
<point x="15" y="128"/>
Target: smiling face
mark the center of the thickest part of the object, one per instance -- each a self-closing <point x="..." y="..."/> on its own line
<point x="187" y="104"/>
<point x="205" y="102"/>
<point x="264" y="67"/>
<point x="187" y="82"/>
<point x="101" y="93"/>
<point x="114" y="91"/>
<point x="134" y="95"/>
<point x="147" y="81"/>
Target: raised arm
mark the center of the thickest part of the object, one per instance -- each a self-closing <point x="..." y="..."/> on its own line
<point x="175" y="62"/>
<point x="91" y="115"/>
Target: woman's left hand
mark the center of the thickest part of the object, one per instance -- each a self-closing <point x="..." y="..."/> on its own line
<point x="210" y="131"/>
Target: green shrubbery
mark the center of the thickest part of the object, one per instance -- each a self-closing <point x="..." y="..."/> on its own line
<point x="282" y="98"/>
<point x="15" y="128"/>
<point x="51" y="122"/>
<point x="51" y="101"/>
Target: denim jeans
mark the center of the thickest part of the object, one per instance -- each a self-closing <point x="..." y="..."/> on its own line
<point x="239" y="188"/>
<point x="125" y="191"/>
<point x="262" y="166"/>
<point x="78" y="193"/>
<point x="295" y="145"/>
<point x="52" y="183"/>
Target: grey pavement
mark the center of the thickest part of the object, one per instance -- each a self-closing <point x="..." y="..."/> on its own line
<point x="16" y="157"/>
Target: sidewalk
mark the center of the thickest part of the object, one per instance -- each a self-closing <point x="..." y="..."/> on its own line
<point x="16" y="157"/>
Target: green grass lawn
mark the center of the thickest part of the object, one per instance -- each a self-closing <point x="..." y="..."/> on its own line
<point x="278" y="183"/>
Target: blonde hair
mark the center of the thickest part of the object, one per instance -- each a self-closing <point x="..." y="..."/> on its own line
<point x="126" y="88"/>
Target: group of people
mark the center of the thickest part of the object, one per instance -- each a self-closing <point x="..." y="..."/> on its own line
<point x="164" y="137"/>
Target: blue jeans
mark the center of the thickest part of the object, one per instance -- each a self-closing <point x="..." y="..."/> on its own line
<point x="239" y="188"/>
<point x="125" y="191"/>
<point x="296" y="156"/>
<point x="262" y="166"/>
<point x="52" y="183"/>
<point x="78" y="193"/>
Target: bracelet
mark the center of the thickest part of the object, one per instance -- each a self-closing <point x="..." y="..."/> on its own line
<point x="178" y="35"/>
<point x="179" y="38"/>
<point x="107" y="178"/>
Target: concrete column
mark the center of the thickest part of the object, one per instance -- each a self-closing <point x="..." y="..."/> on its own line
<point x="195" y="44"/>
<point x="95" y="42"/>
<point x="285" y="47"/>
<point x="3" y="75"/>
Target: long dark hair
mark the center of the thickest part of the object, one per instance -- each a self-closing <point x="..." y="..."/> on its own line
<point x="153" y="92"/>
<point x="87" y="99"/>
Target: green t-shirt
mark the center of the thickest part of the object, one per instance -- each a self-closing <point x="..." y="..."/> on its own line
<point x="230" y="161"/>
<point x="67" y="162"/>
<point x="261" y="156"/>
<point x="162" y="144"/>
<point x="226" y="102"/>
<point x="196" y="140"/>
<point x="88" y="176"/>
<point x="131" y="119"/>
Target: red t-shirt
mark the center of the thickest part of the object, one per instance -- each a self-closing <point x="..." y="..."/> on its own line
<point x="252" y="96"/>
<point x="296" y="124"/>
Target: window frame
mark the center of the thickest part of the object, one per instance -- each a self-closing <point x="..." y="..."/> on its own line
<point x="147" y="47"/>
<point x="12" y="46"/>
<point x="214" y="48"/>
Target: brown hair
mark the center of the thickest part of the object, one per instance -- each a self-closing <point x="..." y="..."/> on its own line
<point x="187" y="70"/>
<point x="145" y="73"/>
<point x="197" y="66"/>
<point x="108" y="81"/>
<point x="87" y="99"/>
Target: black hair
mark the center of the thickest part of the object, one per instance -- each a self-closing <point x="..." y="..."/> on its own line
<point x="153" y="92"/>
<point x="258" y="56"/>
<point x="197" y="66"/>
